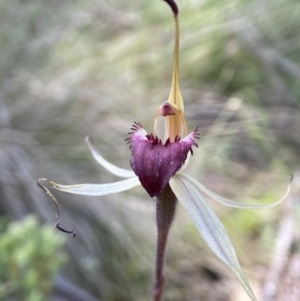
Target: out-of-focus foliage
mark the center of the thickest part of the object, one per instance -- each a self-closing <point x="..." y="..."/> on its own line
<point x="74" y="68"/>
<point x="29" y="260"/>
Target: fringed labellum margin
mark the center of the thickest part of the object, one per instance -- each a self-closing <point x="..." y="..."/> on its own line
<point x="155" y="162"/>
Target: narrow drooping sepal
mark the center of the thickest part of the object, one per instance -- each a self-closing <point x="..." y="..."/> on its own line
<point x="154" y="162"/>
<point x="120" y="172"/>
<point x="232" y="203"/>
<point x="209" y="226"/>
<point x="97" y="189"/>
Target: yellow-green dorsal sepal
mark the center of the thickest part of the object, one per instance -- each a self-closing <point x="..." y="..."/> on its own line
<point x="174" y="124"/>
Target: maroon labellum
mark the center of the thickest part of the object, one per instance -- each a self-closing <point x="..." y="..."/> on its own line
<point x="155" y="162"/>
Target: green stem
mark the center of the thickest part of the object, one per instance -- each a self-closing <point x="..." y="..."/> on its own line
<point x="165" y="212"/>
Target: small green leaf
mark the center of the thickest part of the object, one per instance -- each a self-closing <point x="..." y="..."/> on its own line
<point x="209" y="226"/>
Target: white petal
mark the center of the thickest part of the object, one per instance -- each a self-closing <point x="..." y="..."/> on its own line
<point x="229" y="202"/>
<point x="97" y="189"/>
<point x="209" y="226"/>
<point x="120" y="172"/>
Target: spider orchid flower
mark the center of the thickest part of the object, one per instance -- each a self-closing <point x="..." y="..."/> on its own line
<point x="158" y="163"/>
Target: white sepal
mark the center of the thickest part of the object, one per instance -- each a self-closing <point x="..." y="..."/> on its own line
<point x="229" y="202"/>
<point x="97" y="189"/>
<point x="120" y="172"/>
<point x="209" y="226"/>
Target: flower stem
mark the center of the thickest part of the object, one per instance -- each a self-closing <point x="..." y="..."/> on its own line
<point x="165" y="212"/>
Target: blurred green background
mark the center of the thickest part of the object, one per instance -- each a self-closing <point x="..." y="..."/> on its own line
<point x="69" y="69"/>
